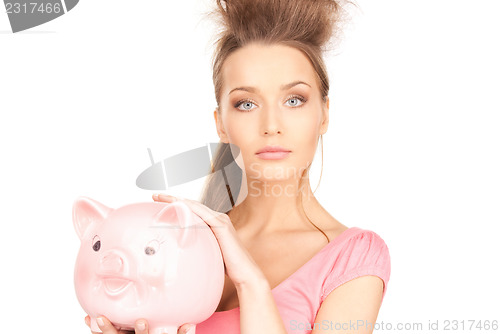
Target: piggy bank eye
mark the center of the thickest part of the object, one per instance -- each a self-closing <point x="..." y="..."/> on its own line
<point x="96" y="243"/>
<point x="152" y="247"/>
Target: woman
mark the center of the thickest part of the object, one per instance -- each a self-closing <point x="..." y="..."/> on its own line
<point x="284" y="273"/>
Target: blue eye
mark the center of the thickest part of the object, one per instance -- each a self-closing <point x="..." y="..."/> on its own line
<point x="245" y="103"/>
<point x="299" y="100"/>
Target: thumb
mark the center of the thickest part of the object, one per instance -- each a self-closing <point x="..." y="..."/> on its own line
<point x="185" y="328"/>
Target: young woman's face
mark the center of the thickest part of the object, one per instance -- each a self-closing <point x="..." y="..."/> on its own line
<point x="270" y="96"/>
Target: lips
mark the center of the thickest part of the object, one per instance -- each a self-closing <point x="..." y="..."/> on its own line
<point x="115" y="285"/>
<point x="273" y="155"/>
<point x="268" y="148"/>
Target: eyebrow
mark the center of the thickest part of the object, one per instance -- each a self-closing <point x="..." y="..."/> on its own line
<point x="255" y="90"/>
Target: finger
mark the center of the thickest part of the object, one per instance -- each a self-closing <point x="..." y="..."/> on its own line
<point x="184" y="328"/>
<point x="141" y="326"/>
<point x="87" y="322"/>
<point x="106" y="326"/>
<point x="164" y="198"/>
<point x="211" y="217"/>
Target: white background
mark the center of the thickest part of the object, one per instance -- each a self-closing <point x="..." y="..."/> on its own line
<point x="412" y="150"/>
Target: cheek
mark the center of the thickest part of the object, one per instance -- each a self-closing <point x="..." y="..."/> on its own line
<point x="306" y="137"/>
<point x="153" y="269"/>
<point x="306" y="127"/>
<point x="242" y="132"/>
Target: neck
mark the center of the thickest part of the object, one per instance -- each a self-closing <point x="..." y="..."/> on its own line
<point x="264" y="206"/>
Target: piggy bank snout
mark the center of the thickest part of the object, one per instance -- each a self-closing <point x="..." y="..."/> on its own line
<point x="112" y="263"/>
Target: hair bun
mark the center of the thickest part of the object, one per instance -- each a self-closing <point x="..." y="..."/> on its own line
<point x="312" y="22"/>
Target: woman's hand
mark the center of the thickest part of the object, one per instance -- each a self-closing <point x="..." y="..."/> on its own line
<point x="239" y="264"/>
<point x="141" y="327"/>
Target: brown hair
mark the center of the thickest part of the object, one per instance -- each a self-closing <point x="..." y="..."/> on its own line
<point x="307" y="25"/>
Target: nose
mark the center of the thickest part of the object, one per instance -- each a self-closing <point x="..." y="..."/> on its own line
<point x="111" y="263"/>
<point x="271" y="123"/>
<point x="266" y="132"/>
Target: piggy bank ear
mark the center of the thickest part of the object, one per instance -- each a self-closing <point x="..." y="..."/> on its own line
<point x="178" y="215"/>
<point x="87" y="211"/>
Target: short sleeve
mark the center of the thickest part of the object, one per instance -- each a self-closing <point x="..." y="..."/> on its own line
<point x="363" y="254"/>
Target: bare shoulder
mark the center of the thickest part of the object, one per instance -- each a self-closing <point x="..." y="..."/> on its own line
<point x="328" y="224"/>
<point x="334" y="229"/>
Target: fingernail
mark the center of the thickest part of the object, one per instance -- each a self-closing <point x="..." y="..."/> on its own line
<point x="155" y="197"/>
<point x="141" y="326"/>
<point x="168" y="197"/>
<point x="188" y="330"/>
<point x="100" y="322"/>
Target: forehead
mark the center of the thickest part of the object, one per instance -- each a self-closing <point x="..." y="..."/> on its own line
<point x="267" y="66"/>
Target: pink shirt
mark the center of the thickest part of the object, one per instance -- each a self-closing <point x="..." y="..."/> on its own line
<point x="355" y="252"/>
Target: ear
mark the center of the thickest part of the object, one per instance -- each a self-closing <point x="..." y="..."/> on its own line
<point x="86" y="211"/>
<point x="178" y="215"/>
<point x="326" y="116"/>
<point x="220" y="128"/>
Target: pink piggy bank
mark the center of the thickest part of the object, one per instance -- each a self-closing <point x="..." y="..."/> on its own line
<point x="157" y="261"/>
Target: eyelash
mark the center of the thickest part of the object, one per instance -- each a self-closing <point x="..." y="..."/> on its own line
<point x="161" y="238"/>
<point x="298" y="97"/>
